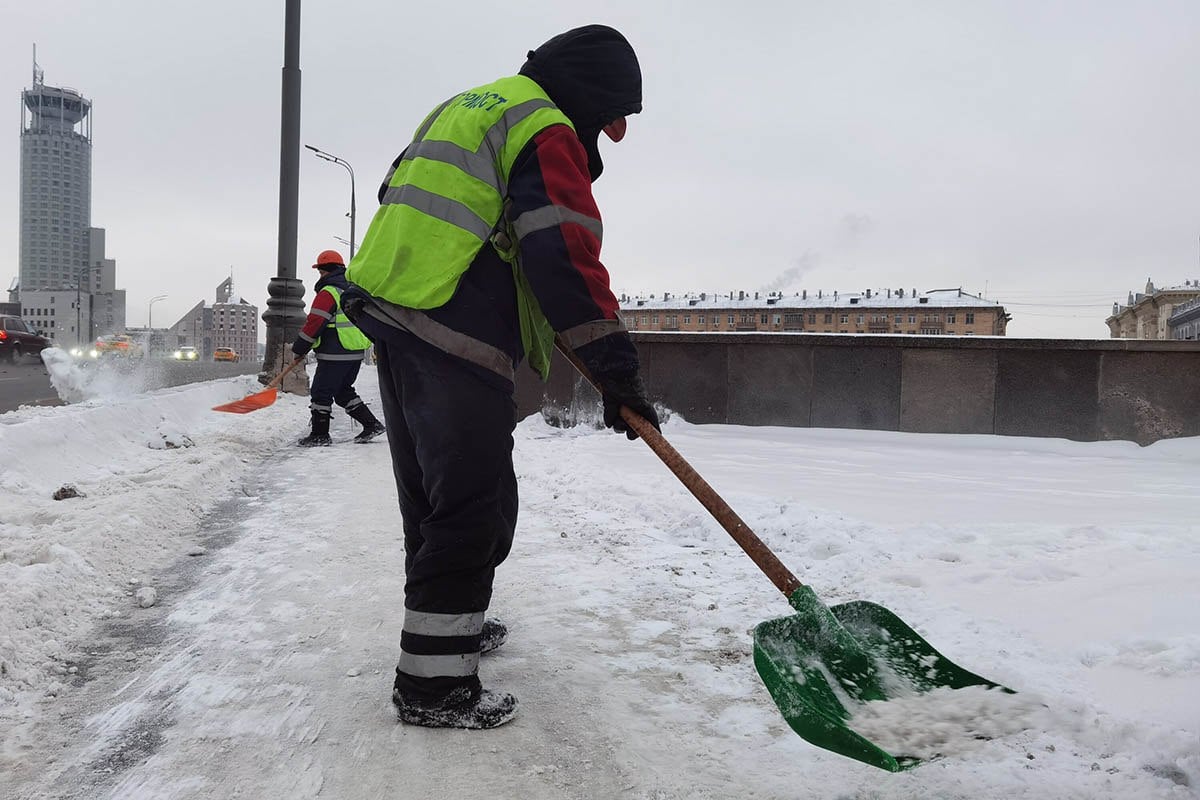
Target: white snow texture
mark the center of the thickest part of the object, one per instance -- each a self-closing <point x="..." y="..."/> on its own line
<point x="210" y="620"/>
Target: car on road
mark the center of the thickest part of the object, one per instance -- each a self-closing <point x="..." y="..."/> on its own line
<point x="18" y="339"/>
<point x="225" y="354"/>
<point x="186" y="354"/>
<point x="118" y="344"/>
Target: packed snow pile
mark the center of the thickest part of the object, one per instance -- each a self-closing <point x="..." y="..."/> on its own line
<point x="64" y="565"/>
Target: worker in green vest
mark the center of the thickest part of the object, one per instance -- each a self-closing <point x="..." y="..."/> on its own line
<point x="339" y="347"/>
<point x="486" y="243"/>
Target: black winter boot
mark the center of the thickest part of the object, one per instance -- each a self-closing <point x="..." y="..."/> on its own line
<point x="319" y="437"/>
<point x="460" y="709"/>
<point x="371" y="426"/>
<point x="495" y="633"/>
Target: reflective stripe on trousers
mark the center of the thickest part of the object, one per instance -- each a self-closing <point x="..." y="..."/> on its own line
<point x="437" y="636"/>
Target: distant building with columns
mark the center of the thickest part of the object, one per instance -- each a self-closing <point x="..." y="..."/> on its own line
<point x="1145" y="314"/>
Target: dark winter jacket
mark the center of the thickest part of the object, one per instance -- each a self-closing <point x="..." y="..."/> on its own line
<point x="592" y="75"/>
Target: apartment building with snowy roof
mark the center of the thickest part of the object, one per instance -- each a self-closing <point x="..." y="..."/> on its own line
<point x="935" y="312"/>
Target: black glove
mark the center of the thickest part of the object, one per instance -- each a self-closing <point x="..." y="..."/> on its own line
<point x="626" y="390"/>
<point x="300" y="348"/>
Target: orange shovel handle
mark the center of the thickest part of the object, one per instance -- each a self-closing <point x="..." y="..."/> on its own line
<point x="728" y="519"/>
<point x="279" y="378"/>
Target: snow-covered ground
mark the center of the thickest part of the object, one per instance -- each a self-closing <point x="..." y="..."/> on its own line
<point x="1067" y="571"/>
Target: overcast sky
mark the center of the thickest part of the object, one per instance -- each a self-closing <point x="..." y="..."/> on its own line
<point x="1048" y="153"/>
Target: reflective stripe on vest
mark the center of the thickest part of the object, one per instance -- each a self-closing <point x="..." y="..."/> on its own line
<point x="589" y="332"/>
<point x="445" y="197"/>
<point x="445" y="200"/>
<point x="349" y="336"/>
<point x="551" y="217"/>
<point x="446" y="339"/>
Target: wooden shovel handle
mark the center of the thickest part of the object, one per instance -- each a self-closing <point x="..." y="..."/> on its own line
<point x="279" y="378"/>
<point x="759" y="553"/>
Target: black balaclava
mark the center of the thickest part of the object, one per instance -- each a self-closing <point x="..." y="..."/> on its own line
<point x="592" y="75"/>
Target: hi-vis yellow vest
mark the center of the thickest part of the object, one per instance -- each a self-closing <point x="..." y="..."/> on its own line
<point x="445" y="201"/>
<point x="350" y="337"/>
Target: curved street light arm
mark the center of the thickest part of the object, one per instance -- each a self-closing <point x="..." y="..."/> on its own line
<point x="353" y="212"/>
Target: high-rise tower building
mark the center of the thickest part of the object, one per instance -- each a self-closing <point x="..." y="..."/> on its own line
<point x="56" y="185"/>
<point x="66" y="286"/>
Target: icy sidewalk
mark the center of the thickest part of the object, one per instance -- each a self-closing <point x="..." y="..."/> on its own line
<point x="268" y="672"/>
<point x="1061" y="569"/>
<point x="271" y="678"/>
<point x="144" y="468"/>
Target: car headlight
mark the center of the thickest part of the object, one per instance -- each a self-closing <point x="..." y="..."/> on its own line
<point x="178" y="354"/>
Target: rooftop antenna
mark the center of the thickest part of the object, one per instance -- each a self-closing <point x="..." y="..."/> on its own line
<point x="38" y="74"/>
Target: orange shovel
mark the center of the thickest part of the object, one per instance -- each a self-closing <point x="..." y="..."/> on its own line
<point x="253" y="402"/>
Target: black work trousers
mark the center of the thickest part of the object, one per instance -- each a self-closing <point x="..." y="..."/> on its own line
<point x="451" y="440"/>
<point x="334" y="383"/>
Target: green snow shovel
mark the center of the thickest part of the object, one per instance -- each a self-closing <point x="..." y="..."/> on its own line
<point x="821" y="662"/>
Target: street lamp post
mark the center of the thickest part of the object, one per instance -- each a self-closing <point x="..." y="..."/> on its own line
<point x="285" y="293"/>
<point x="350" y="169"/>
<point x="78" y="310"/>
<point x="79" y="338"/>
<point x="150" y="311"/>
<point x="150" y="322"/>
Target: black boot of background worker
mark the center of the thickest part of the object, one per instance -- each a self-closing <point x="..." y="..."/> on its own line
<point x="372" y="427"/>
<point x="319" y="437"/>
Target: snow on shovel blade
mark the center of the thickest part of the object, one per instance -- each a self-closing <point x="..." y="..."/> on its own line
<point x="820" y="664"/>
<point x="251" y="402"/>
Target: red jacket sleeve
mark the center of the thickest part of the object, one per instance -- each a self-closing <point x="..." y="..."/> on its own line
<point x="558" y="228"/>
<point x="319" y="316"/>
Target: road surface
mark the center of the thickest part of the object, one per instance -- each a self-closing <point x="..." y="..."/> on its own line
<point x="25" y="383"/>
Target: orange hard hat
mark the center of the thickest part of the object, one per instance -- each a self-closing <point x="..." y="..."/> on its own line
<point x="329" y="258"/>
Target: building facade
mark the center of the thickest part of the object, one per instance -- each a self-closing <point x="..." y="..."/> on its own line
<point x="94" y="307"/>
<point x="1184" y="322"/>
<point x="56" y="184"/>
<point x="107" y="302"/>
<point x="194" y="329"/>
<point x="1145" y="314"/>
<point x="936" y="312"/>
<point x="57" y="314"/>
<point x="235" y="322"/>
<point x="229" y="322"/>
<point x="62" y="264"/>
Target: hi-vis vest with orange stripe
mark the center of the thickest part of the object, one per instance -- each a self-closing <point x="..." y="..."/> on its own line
<point x="445" y="201"/>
